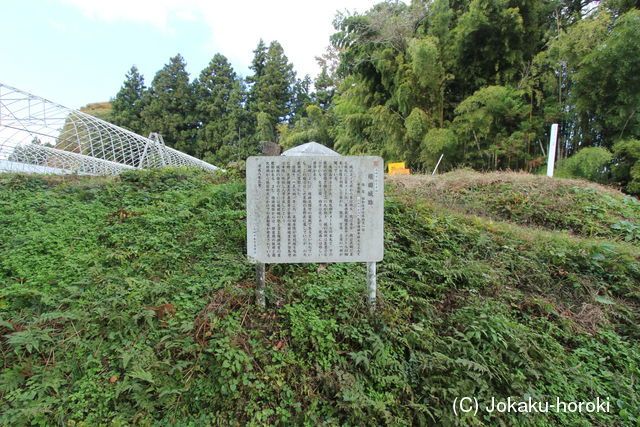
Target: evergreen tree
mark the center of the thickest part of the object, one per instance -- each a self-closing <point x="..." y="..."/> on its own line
<point x="265" y="130"/>
<point x="553" y="78"/>
<point x="258" y="62"/>
<point x="272" y="83"/>
<point x="301" y="98"/>
<point x="221" y="119"/>
<point x="325" y="89"/>
<point x="128" y="103"/>
<point x="479" y="81"/>
<point x="170" y="106"/>
<point x="275" y="87"/>
<point x="257" y="66"/>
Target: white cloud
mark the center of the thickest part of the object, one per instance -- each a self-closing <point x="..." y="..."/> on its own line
<point x="56" y="25"/>
<point x="303" y="28"/>
<point x="155" y="12"/>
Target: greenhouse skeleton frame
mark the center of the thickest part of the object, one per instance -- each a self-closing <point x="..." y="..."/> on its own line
<point x="40" y="136"/>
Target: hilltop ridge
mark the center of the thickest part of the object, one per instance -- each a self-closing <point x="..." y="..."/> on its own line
<point x="581" y="207"/>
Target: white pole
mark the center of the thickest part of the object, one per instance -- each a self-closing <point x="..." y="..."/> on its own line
<point x="438" y="164"/>
<point x="371" y="285"/>
<point x="552" y="149"/>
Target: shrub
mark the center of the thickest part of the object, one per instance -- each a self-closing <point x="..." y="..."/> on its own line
<point x="590" y="163"/>
<point x="626" y="169"/>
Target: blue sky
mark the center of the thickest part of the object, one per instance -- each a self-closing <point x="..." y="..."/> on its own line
<point x="74" y="52"/>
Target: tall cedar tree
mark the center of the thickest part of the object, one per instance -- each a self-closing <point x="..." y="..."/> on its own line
<point x="128" y="103"/>
<point x="221" y="118"/>
<point x="325" y="89"/>
<point x="272" y="83"/>
<point x="170" y="109"/>
<point x="301" y="98"/>
<point x="258" y="62"/>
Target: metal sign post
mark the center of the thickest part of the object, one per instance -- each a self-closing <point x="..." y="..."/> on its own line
<point x="371" y="285"/>
<point x="260" y="300"/>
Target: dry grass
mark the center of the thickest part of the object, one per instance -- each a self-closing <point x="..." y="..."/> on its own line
<point x="465" y="178"/>
<point x="583" y="317"/>
<point x="576" y="206"/>
<point x="591" y="317"/>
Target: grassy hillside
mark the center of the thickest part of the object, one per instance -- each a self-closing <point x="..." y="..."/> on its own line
<point x="101" y="110"/>
<point x="129" y="300"/>
<point x="582" y="208"/>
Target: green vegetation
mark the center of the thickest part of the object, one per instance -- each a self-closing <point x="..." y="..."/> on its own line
<point x="589" y="163"/>
<point x="129" y="301"/>
<point x="220" y="116"/>
<point x="479" y="82"/>
<point x="626" y="169"/>
<point x="169" y="107"/>
<point x="101" y="110"/>
<point x="553" y="204"/>
<point x="219" y="94"/>
<point x="129" y="103"/>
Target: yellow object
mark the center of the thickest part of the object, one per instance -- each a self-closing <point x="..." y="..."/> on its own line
<point x="393" y="166"/>
<point x="402" y="171"/>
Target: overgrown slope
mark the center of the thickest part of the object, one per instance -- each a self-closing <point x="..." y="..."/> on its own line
<point x="130" y="300"/>
<point x="580" y="207"/>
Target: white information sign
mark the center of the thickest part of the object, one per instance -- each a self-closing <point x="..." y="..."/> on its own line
<point x="315" y="209"/>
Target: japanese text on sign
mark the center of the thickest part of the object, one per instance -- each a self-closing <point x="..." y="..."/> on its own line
<point x="315" y="209"/>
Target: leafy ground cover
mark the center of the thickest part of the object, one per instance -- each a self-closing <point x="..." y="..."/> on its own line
<point x="129" y="301"/>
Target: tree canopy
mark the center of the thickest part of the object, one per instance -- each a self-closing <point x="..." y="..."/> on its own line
<point x="478" y="81"/>
<point x="220" y="115"/>
<point x="128" y="103"/>
<point x="170" y="106"/>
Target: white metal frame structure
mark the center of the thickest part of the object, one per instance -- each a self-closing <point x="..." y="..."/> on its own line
<point x="40" y="136"/>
